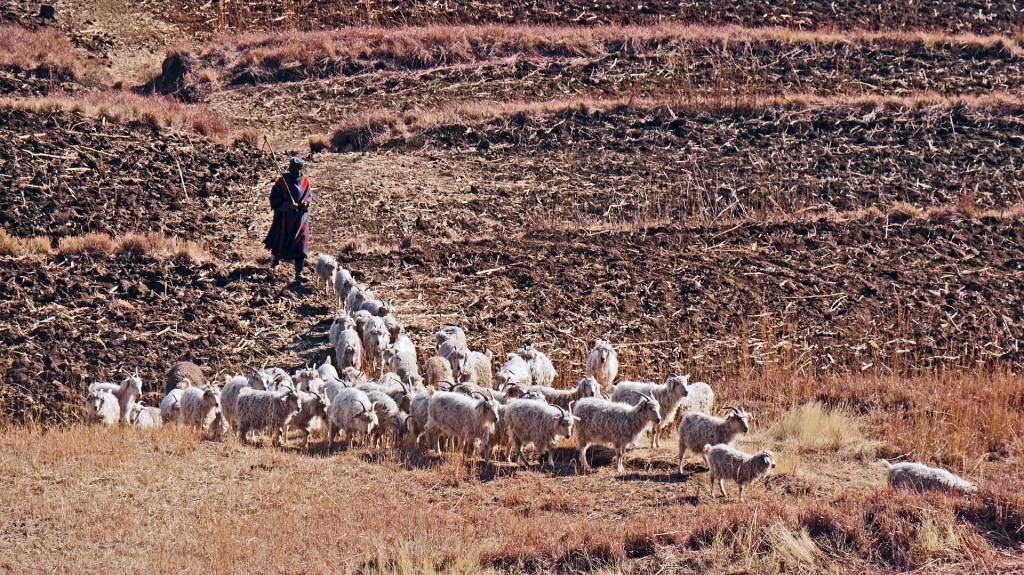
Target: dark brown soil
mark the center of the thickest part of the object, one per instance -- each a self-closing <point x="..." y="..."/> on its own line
<point x="75" y="321"/>
<point x="323" y="93"/>
<point x="965" y="15"/>
<point x="66" y="173"/>
<point x="817" y="296"/>
<point x="582" y="167"/>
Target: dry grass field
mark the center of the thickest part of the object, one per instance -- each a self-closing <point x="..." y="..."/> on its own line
<point x="815" y="208"/>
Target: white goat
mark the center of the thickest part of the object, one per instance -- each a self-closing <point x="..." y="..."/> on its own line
<point x="126" y="392"/>
<point x="325" y="269"/>
<point x="400" y="358"/>
<point x="536" y="422"/>
<point x="375" y="341"/>
<point x="669" y="395"/>
<point x="603" y="364"/>
<point x="699" y="429"/>
<point x="542" y="370"/>
<point x="726" y="462"/>
<point x="267" y="411"/>
<point x="343" y="282"/>
<point x="472" y="367"/>
<point x="313" y="408"/>
<point x="587" y="387"/>
<point x="515" y="371"/>
<point x="101" y="407"/>
<point x="463" y="418"/>
<point x="200" y="408"/>
<point x="605" y="421"/>
<point x="170" y="406"/>
<point x="352" y="412"/>
<point x="699" y="397"/>
<point x="920" y="477"/>
<point x="145" y="417"/>
<point x="453" y="335"/>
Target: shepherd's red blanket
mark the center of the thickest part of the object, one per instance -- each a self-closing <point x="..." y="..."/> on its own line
<point x="289" y="234"/>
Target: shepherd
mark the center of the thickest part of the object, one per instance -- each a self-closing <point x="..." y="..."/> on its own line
<point x="290" y="199"/>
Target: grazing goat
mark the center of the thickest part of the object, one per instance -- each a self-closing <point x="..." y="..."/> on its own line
<point x="389" y="420"/>
<point x="699" y="429"/>
<point x="145" y="417"/>
<point x="268" y="411"/>
<point x="352" y="412"/>
<point x="313" y="406"/>
<point x="472" y="367"/>
<point x="125" y="392"/>
<point x="325" y="269"/>
<point x="170" y="406"/>
<point x="726" y="462"/>
<point x="184" y="374"/>
<point x="400" y="358"/>
<point x="101" y="407"/>
<point x="605" y="421"/>
<point x="515" y="371"/>
<point x="603" y="364"/>
<point x="920" y="477"/>
<point x="669" y="395"/>
<point x="200" y="408"/>
<point x="587" y="387"/>
<point x="536" y="422"/>
<point x="542" y="370"/>
<point x="463" y="418"/>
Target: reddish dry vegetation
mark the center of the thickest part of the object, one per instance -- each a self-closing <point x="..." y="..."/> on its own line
<point x="40" y="62"/>
<point x="447" y="518"/>
<point x="252" y="58"/>
<point x="961" y="16"/>
<point x="78" y="172"/>
<point x="590" y="162"/>
<point x="329" y="74"/>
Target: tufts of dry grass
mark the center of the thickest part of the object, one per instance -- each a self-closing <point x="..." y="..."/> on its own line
<point x="383" y="128"/>
<point x="350" y="50"/>
<point x="91" y="244"/>
<point x="814" y="427"/>
<point x="12" y="246"/>
<point x="153" y="245"/>
<point x="41" y="51"/>
<point x="121" y="106"/>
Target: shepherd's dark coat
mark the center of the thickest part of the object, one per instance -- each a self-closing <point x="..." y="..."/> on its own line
<point x="289" y="234"/>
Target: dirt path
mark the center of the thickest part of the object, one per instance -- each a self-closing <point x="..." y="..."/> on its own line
<point x="130" y="37"/>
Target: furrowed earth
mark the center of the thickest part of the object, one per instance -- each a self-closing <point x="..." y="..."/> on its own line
<point x="815" y="208"/>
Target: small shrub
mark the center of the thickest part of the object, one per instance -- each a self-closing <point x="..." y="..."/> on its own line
<point x="901" y="212"/>
<point x="91" y="244"/>
<point x="8" y="244"/>
<point x="319" y="143"/>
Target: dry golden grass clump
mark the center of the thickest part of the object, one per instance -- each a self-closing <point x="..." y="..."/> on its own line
<point x="388" y="127"/>
<point x="123" y="106"/>
<point x="313" y="53"/>
<point x="132" y="244"/>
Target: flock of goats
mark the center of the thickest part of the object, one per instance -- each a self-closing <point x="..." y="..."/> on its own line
<point x="458" y="401"/>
